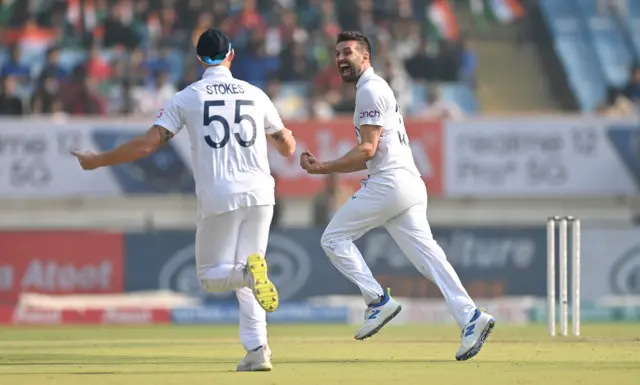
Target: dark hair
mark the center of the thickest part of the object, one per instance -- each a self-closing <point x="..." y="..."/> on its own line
<point x="355" y="36"/>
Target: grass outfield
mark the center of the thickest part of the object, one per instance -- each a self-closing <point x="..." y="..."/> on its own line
<point x="326" y="355"/>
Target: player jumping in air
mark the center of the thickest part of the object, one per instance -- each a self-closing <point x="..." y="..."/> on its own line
<point x="393" y="196"/>
<point x="227" y="120"/>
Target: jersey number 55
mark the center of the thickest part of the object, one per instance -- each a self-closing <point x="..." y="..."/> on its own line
<point x="239" y="117"/>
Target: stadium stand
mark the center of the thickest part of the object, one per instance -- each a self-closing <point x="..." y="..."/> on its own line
<point x="126" y="57"/>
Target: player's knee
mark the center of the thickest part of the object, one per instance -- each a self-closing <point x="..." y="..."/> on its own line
<point x="223" y="278"/>
<point x="213" y="285"/>
<point x="333" y="245"/>
<point x="326" y="242"/>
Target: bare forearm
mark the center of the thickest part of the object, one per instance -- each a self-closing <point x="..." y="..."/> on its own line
<point x="130" y="151"/>
<point x="352" y="161"/>
<point x="348" y="168"/>
<point x="137" y="148"/>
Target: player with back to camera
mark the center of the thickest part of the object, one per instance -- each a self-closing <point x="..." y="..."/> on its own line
<point x="227" y="120"/>
<point x="393" y="196"/>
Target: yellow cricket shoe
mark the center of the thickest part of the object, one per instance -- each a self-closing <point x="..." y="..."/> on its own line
<point x="263" y="289"/>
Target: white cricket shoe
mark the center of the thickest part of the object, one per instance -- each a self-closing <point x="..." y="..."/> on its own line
<point x="474" y="334"/>
<point x="378" y="315"/>
<point x="256" y="361"/>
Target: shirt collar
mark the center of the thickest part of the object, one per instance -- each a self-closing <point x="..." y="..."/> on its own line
<point x="216" y="71"/>
<point x="365" y="76"/>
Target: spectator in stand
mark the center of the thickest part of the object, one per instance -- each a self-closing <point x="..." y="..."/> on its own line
<point x="320" y="107"/>
<point x="273" y="90"/>
<point x="121" y="100"/>
<point x="10" y="103"/>
<point x="205" y="21"/>
<point x="423" y="65"/>
<point x="468" y="63"/>
<point x="406" y="36"/>
<point x="295" y="63"/>
<point x="448" y="62"/>
<point x="159" y="61"/>
<point x="247" y="19"/>
<point x="14" y="66"/>
<point x="80" y="97"/>
<point x="632" y="90"/>
<point x="119" y="29"/>
<point x="344" y="101"/>
<point x="152" y="97"/>
<point x="98" y="68"/>
<point x="439" y="108"/>
<point x="192" y="74"/>
<point x="255" y="66"/>
<point x="128" y="42"/>
<point x="617" y="104"/>
<point x="321" y="16"/>
<point x="137" y="71"/>
<point x="46" y="95"/>
<point x="52" y="65"/>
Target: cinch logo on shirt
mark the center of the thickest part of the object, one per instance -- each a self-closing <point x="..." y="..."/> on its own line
<point x="370" y="114"/>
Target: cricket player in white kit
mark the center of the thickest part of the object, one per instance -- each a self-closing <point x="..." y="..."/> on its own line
<point x="227" y="120"/>
<point x="393" y="196"/>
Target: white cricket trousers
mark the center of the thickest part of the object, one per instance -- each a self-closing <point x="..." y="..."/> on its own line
<point x="397" y="201"/>
<point x="223" y="244"/>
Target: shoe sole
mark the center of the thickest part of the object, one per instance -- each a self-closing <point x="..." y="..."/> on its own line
<point x="377" y="329"/>
<point x="263" y="289"/>
<point x="478" y="345"/>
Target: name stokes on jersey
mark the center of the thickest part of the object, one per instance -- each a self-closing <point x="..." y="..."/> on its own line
<point x="224" y="89"/>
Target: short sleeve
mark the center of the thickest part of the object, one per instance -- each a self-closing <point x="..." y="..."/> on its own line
<point x="272" y="121"/>
<point x="170" y="116"/>
<point x="370" y="107"/>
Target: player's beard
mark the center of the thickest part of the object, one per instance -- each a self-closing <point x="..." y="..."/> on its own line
<point x="352" y="74"/>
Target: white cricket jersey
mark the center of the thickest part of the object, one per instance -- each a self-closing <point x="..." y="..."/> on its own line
<point x="376" y="105"/>
<point x="227" y="120"/>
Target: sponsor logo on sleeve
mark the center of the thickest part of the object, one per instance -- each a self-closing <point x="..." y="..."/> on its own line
<point x="370" y="114"/>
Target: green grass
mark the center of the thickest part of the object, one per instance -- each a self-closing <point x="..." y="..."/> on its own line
<point x="326" y="355"/>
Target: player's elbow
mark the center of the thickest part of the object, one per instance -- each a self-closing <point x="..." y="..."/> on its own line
<point x="368" y="151"/>
<point x="146" y="149"/>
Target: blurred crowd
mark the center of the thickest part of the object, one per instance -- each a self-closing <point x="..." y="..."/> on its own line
<point x="624" y="101"/>
<point x="111" y="57"/>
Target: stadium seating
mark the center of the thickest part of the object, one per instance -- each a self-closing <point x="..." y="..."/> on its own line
<point x="632" y="23"/>
<point x="576" y="52"/>
<point x="75" y="47"/>
<point x="605" y="34"/>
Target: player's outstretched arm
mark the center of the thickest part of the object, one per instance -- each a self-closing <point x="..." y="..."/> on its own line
<point x="283" y="141"/>
<point x="355" y="159"/>
<point x="131" y="151"/>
